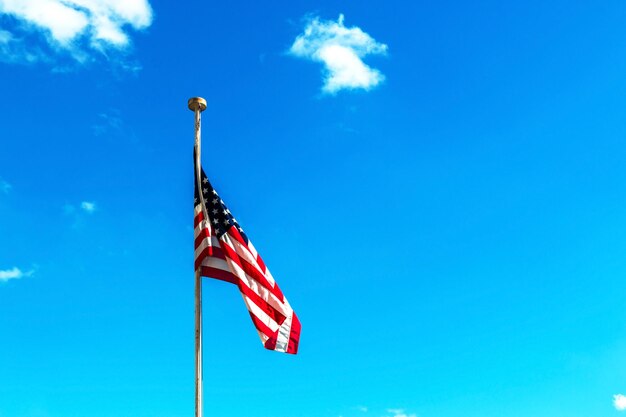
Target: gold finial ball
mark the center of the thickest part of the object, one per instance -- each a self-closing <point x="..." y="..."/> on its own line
<point x="196" y="103"/>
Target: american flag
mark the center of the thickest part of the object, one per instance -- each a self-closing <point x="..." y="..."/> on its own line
<point x="224" y="252"/>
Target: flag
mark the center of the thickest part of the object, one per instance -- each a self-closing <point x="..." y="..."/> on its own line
<point x="224" y="252"/>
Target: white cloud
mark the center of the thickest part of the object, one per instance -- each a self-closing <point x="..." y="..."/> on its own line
<point x="68" y="23"/>
<point x="5" y="37"/>
<point x="17" y="50"/>
<point x="78" y="214"/>
<point x="72" y="210"/>
<point x="362" y="409"/>
<point x="398" y="412"/>
<point x="5" y="187"/>
<point x="341" y="50"/>
<point x="88" y="206"/>
<point x="619" y="401"/>
<point x="14" y="273"/>
<point x="107" y="123"/>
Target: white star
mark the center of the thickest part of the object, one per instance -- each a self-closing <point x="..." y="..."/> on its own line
<point x="214" y="211"/>
<point x="205" y="190"/>
<point x="215" y="221"/>
<point x="205" y="180"/>
<point x="226" y="221"/>
<point x="225" y="212"/>
<point x="214" y="201"/>
<point x="214" y="192"/>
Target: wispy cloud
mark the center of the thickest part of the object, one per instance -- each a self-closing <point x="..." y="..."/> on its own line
<point x="5" y="187"/>
<point x="398" y="412"/>
<point x="13" y="49"/>
<point x="110" y="121"/>
<point x="88" y="206"/>
<point x="69" y="26"/>
<point x="71" y="209"/>
<point x="619" y="402"/>
<point x="362" y="408"/>
<point x="341" y="50"/>
<point x="78" y="214"/>
<point x="14" y="273"/>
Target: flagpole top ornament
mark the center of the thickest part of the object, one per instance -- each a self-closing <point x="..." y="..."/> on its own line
<point x="196" y="103"/>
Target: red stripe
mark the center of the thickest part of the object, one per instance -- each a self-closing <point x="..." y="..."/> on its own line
<point x="260" y="262"/>
<point x="209" y="272"/>
<point x="254" y="269"/>
<point x="294" y="335"/>
<point x="271" y="343"/>
<point x="277" y="290"/>
<point x="237" y="236"/>
<point x="251" y="271"/>
<point x="197" y="219"/>
<point x="264" y="305"/>
<point x="234" y="233"/>
<point x="294" y="338"/>
<point x="267" y="308"/>
<point x="205" y="252"/>
<point x="212" y="251"/>
<point x="262" y="327"/>
<point x="218" y="253"/>
<point x="246" y="266"/>
<point x="202" y="234"/>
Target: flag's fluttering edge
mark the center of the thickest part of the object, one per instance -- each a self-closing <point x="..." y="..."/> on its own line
<point x="223" y="251"/>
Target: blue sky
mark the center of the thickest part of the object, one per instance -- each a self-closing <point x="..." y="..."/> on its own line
<point x="439" y="190"/>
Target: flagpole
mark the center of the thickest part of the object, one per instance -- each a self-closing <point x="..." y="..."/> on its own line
<point x="198" y="105"/>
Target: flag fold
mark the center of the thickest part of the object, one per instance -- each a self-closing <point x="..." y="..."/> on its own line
<point x="223" y="251"/>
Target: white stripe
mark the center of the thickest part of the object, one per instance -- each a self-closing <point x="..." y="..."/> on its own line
<point x="242" y="251"/>
<point x="282" y="340"/>
<point x="260" y="314"/>
<point x="203" y="245"/>
<point x="204" y="224"/>
<point x="249" y="254"/>
<point x="259" y="289"/>
<point x="252" y="249"/>
<point x="263" y="336"/>
<point x="267" y="273"/>
<point x="217" y="263"/>
<point x="232" y="267"/>
<point x="269" y="277"/>
<point x="213" y="242"/>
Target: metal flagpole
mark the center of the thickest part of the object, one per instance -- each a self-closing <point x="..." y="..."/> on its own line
<point x="198" y="105"/>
